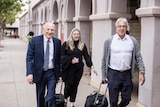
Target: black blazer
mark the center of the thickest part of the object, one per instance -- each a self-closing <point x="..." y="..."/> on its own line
<point x="35" y="57"/>
<point x="69" y="69"/>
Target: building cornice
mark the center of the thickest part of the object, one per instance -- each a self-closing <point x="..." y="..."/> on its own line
<point x="148" y="11"/>
<point x="81" y="18"/>
<point x="106" y="16"/>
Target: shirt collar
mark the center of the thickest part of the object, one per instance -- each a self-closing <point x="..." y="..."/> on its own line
<point x="125" y="37"/>
<point x="46" y="39"/>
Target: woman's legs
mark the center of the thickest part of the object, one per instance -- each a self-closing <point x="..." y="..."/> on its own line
<point x="71" y="86"/>
<point x="73" y="96"/>
<point x="67" y="91"/>
<point x="75" y="87"/>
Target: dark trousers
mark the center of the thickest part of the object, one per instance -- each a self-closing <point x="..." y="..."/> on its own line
<point x="47" y="84"/>
<point x="119" y="83"/>
<point x="70" y="91"/>
<point x="72" y="81"/>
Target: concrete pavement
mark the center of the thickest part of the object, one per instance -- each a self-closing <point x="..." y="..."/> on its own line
<point x="15" y="91"/>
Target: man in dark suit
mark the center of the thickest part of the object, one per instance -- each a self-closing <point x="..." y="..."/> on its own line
<point x="43" y="65"/>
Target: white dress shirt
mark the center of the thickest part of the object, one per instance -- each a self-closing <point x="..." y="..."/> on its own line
<point x="121" y="53"/>
<point x="51" y="47"/>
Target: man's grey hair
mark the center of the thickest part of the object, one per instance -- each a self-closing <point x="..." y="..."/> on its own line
<point x="123" y="20"/>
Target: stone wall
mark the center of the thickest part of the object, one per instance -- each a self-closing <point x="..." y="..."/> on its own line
<point x="135" y="30"/>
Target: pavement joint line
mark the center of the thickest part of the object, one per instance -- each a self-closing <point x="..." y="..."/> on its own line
<point x="7" y="82"/>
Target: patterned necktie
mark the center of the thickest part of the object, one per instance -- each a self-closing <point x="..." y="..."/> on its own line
<point x="46" y="58"/>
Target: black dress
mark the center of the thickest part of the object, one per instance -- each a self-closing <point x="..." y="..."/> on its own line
<point x="72" y="73"/>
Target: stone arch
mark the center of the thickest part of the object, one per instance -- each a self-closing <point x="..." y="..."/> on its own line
<point x="34" y="17"/>
<point x="42" y="15"/>
<point x="61" y="24"/>
<point x="67" y="14"/>
<point x="62" y="12"/>
<point x="55" y="11"/>
<point x="70" y="9"/>
<point x="46" y="15"/>
<point x="85" y="7"/>
<point x="37" y="16"/>
<point x="61" y="6"/>
<point x="55" y="16"/>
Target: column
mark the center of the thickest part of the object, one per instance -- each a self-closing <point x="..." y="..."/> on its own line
<point x="83" y="23"/>
<point x="103" y="26"/>
<point x="149" y="12"/>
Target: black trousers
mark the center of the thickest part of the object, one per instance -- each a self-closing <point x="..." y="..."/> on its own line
<point x="70" y="91"/>
<point x="74" y="76"/>
<point x="46" y="86"/>
<point x="119" y="83"/>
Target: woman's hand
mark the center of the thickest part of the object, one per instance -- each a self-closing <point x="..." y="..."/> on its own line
<point x="75" y="60"/>
<point x="94" y="70"/>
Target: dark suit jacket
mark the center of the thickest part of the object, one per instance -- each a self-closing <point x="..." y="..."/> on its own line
<point x="35" y="57"/>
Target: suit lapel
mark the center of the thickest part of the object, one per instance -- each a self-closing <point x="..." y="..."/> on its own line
<point x="41" y="47"/>
<point x="54" y="48"/>
<point x="54" y="44"/>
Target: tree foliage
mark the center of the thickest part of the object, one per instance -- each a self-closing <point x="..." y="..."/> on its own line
<point x="9" y="10"/>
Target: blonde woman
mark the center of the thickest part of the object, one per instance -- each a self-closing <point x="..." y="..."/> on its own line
<point x="72" y="52"/>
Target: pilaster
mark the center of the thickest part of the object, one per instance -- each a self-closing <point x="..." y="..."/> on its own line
<point x="103" y="26"/>
<point x="83" y="23"/>
<point x="150" y="48"/>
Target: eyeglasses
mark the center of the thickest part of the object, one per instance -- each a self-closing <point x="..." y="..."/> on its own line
<point x="121" y="26"/>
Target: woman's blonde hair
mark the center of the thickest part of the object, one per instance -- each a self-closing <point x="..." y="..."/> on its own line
<point x="70" y="41"/>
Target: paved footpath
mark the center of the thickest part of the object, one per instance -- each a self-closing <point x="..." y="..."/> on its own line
<point x="14" y="90"/>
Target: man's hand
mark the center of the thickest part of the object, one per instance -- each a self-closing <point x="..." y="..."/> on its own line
<point x="60" y="79"/>
<point x="30" y="79"/>
<point x="141" y="78"/>
<point x="104" y="80"/>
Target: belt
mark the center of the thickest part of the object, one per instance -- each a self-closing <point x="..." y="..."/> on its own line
<point x="120" y="70"/>
<point x="48" y="69"/>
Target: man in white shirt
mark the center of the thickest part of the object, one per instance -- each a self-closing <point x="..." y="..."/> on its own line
<point x="118" y="62"/>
